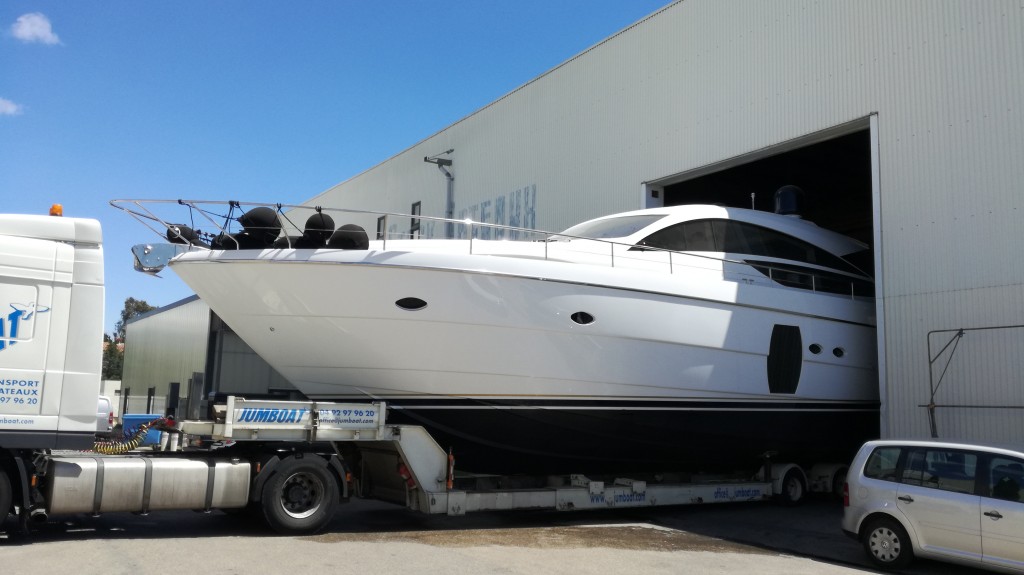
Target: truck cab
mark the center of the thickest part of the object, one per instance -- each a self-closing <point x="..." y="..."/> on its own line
<point x="51" y="322"/>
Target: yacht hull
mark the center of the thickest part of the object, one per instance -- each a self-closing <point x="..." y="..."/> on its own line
<point x="547" y="366"/>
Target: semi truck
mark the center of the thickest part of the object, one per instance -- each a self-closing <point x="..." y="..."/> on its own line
<point x="290" y="463"/>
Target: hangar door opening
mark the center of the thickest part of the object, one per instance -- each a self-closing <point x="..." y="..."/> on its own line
<point x="834" y="172"/>
<point x="837" y="172"/>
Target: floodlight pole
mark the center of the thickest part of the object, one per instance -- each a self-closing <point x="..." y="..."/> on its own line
<point x="449" y="211"/>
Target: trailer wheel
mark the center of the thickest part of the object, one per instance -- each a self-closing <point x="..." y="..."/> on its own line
<point x="793" y="489"/>
<point x="887" y="544"/>
<point x="300" y="497"/>
<point x="6" y="496"/>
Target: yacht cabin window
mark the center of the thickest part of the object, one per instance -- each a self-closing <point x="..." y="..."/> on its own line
<point x="752" y="242"/>
<point x="728" y="236"/>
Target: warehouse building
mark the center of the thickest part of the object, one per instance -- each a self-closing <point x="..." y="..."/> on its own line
<point x="901" y="122"/>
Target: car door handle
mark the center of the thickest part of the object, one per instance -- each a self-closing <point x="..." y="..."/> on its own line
<point x="906" y="498"/>
<point x="994" y="514"/>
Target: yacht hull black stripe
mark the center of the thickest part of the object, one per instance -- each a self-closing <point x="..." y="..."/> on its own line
<point x="509" y="436"/>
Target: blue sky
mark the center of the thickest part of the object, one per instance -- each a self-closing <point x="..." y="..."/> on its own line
<point x="250" y="99"/>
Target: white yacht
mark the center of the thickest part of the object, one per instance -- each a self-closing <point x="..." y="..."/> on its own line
<point x="669" y="338"/>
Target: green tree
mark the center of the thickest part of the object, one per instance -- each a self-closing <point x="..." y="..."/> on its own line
<point x="113" y="358"/>
<point x="113" y="344"/>
<point x="132" y="308"/>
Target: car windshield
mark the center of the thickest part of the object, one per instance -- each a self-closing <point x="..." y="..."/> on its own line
<point x="619" y="227"/>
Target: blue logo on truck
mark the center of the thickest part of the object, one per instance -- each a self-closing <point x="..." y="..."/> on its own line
<point x="271" y="415"/>
<point x="9" y="325"/>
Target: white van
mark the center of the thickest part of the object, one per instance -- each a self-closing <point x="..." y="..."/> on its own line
<point x="104" y="417"/>
<point x="951" y="501"/>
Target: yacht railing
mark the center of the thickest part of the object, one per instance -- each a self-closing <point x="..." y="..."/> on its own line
<point x="150" y="212"/>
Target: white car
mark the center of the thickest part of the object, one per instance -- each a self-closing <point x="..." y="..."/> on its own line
<point x="951" y="501"/>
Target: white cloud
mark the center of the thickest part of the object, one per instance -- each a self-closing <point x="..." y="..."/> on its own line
<point x="9" y="108"/>
<point x="34" y="27"/>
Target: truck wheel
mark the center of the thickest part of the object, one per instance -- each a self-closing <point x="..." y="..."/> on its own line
<point x="300" y="497"/>
<point x="6" y="496"/>
<point x="887" y="544"/>
<point x="793" y="489"/>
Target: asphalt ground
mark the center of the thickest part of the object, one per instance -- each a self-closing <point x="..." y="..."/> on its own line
<point x="375" y="537"/>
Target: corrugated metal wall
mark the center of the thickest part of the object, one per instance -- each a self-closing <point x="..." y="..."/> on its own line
<point x="171" y="343"/>
<point x="702" y="81"/>
<point x="165" y="346"/>
<point x="238" y="370"/>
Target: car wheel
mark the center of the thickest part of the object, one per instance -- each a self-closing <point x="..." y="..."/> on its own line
<point x="887" y="544"/>
<point x="838" y="481"/>
<point x="300" y="497"/>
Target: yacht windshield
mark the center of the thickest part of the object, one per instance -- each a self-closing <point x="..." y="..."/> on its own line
<point x="612" y="227"/>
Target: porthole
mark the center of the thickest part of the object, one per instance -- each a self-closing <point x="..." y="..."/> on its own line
<point x="411" y="303"/>
<point x="839" y="352"/>
<point x="814" y="348"/>
<point x="582" y="318"/>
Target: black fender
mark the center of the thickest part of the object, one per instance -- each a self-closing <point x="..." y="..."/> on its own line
<point x="17" y="473"/>
<point x="266" y="470"/>
<point x="269" y="467"/>
<point x="337" y="467"/>
<point x="12" y="464"/>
